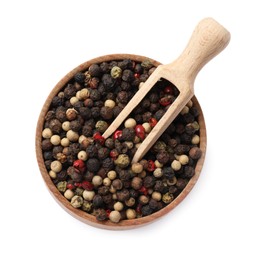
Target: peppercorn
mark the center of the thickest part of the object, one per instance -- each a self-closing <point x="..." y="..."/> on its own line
<point x="106" y="113"/>
<point x="77" y="201"/>
<point x="128" y="134"/>
<point x="115" y="216"/>
<point x="55" y="126"/>
<point x="160" y="186"/>
<point x="162" y="157"/>
<point x="107" y="164"/>
<point x="146" y="210"/>
<point x="94" y="70"/>
<point x="131" y="214"/>
<point x="46" y="145"/>
<point x="97" y="201"/>
<point x="117" y="184"/>
<point x="136" y="183"/>
<point x="93" y="164"/>
<point x="95" y="112"/>
<point x="168" y="172"/>
<point x="87" y="206"/>
<point x="109" y="143"/>
<point x="62" y="175"/>
<point x="108" y="81"/>
<point x="61" y="114"/>
<point x="181" y="183"/>
<point x="62" y="186"/>
<point x="79" y="77"/>
<point x="68" y="194"/>
<point x="123" y="195"/>
<point x="123" y="97"/>
<point x="195" y="153"/>
<point x="116" y="111"/>
<point x="88" y="195"/>
<point x="70" y="91"/>
<point x="149" y="181"/>
<point x="122" y="161"/>
<point x="153" y="204"/>
<point x="167" y="198"/>
<point x="181" y="149"/>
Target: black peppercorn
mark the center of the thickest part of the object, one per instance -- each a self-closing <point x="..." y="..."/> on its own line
<point x="123" y="195"/>
<point x="181" y="149"/>
<point x="70" y="91"/>
<point x="55" y="126"/>
<point x="123" y="97"/>
<point x="168" y="172"/>
<point x="107" y="199"/>
<point x="95" y="112"/>
<point x="100" y="214"/>
<point x="75" y="125"/>
<point x="103" y="190"/>
<point x="92" y="150"/>
<point x="163" y="157"/>
<point x="103" y="153"/>
<point x="108" y="82"/>
<point x="128" y="134"/>
<point x="153" y="204"/>
<point x="117" y="184"/>
<point x="146" y="210"/>
<point x="107" y="164"/>
<point x="46" y="145"/>
<point x="106" y="113"/>
<point x="149" y="181"/>
<point x="195" y="153"/>
<point x="124" y="174"/>
<point x="116" y="111"/>
<point x="95" y="70"/>
<point x="79" y="77"/>
<point x="97" y="201"/>
<point x="93" y="165"/>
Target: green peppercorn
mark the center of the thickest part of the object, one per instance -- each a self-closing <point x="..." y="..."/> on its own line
<point x="116" y="72"/>
<point x="62" y="186"/>
<point x="77" y="201"/>
<point x="122" y="161"/>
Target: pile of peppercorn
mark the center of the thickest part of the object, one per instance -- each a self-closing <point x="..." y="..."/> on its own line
<point x="96" y="175"/>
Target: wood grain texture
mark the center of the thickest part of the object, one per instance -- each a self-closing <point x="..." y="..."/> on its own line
<point x="81" y="215"/>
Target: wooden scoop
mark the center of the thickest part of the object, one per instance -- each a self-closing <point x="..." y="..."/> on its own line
<point x="208" y="39"/>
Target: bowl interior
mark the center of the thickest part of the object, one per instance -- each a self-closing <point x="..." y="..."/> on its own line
<point x="88" y="218"/>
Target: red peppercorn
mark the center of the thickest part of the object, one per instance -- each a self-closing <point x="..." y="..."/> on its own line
<point x="152" y="121"/>
<point x="140" y="131"/>
<point x="99" y="138"/>
<point x="87" y="185"/>
<point x="136" y="75"/>
<point x="138" y="208"/>
<point x="168" y="90"/>
<point x="117" y="134"/>
<point x="165" y="101"/>
<point x="114" y="153"/>
<point x="143" y="190"/>
<point x="70" y="186"/>
<point x="77" y="184"/>
<point x="108" y="211"/>
<point x="151" y="166"/>
<point x="79" y="165"/>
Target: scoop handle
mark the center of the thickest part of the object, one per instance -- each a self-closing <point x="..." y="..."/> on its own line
<point x="208" y="39"/>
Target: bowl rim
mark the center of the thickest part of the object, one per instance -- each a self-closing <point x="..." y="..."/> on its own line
<point x="80" y="214"/>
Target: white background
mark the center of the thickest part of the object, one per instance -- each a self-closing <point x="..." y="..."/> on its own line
<point x="43" y="40"/>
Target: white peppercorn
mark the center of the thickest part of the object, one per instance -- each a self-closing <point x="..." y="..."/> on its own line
<point x="82" y="155"/>
<point x="112" y="175"/>
<point x="65" y="142"/>
<point x="137" y="168"/>
<point x="107" y="182"/>
<point x="56" y="166"/>
<point x="158" y="173"/>
<point x="97" y="180"/>
<point x="115" y="216"/>
<point x="158" y="164"/>
<point x="131" y="214"/>
<point x="176" y="165"/>
<point x="81" y="138"/>
<point x="130" y="123"/>
<point x="183" y="159"/>
<point x="118" y="206"/>
<point x="84" y="94"/>
<point x="66" y="126"/>
<point x="147" y="127"/>
<point x="72" y="136"/>
<point x="195" y="139"/>
<point x="109" y="103"/>
<point x="88" y="195"/>
<point x="55" y="139"/>
<point x="185" y="110"/>
<point x="156" y="196"/>
<point x="68" y="194"/>
<point x="73" y="100"/>
<point x="52" y="174"/>
<point x="46" y="133"/>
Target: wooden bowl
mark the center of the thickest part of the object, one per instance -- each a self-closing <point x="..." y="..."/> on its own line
<point x="88" y="218"/>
